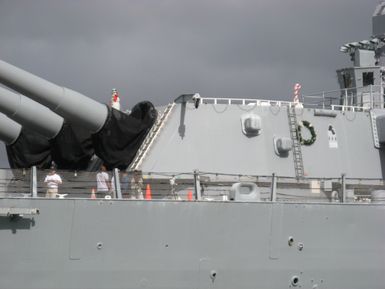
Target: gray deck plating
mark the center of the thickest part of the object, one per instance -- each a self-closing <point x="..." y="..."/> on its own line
<point x="213" y="141"/>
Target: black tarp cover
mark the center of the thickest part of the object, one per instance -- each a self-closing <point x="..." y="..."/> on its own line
<point x="122" y="134"/>
<point x="30" y="149"/>
<point x="116" y="143"/>
<point x="72" y="148"/>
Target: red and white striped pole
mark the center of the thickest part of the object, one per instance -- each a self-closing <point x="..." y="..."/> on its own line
<point x="297" y="88"/>
<point x="115" y="100"/>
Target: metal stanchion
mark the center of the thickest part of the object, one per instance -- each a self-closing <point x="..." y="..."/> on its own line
<point x="33" y="182"/>
<point x="118" y="191"/>
<point x="197" y="183"/>
<point x="273" y="193"/>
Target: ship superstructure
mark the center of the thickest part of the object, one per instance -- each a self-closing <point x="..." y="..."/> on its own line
<point x="207" y="192"/>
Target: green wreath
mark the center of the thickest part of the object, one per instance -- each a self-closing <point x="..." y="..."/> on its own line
<point x="309" y="126"/>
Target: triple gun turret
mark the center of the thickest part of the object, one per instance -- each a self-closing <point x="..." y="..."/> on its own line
<point x="75" y="126"/>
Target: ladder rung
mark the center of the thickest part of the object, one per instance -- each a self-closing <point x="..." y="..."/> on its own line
<point x="297" y="153"/>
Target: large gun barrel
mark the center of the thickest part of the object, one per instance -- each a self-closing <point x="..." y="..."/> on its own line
<point x="25" y="148"/>
<point x="69" y="145"/>
<point x="116" y="136"/>
<point x="73" y="106"/>
<point x="30" y="114"/>
<point x="9" y="130"/>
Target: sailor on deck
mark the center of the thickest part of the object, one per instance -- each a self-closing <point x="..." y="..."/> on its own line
<point x="53" y="180"/>
<point x="103" y="186"/>
<point x="136" y="185"/>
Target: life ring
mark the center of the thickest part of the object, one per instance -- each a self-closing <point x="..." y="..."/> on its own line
<point x="310" y="127"/>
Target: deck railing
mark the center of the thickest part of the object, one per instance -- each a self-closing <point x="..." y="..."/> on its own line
<point x="198" y="186"/>
<point x="342" y="99"/>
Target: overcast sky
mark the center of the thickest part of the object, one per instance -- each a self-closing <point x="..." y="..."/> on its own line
<point x="156" y="50"/>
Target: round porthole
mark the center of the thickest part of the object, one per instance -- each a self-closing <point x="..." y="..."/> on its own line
<point x="295" y="281"/>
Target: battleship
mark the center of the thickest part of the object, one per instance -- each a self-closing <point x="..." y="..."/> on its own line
<point x="206" y="192"/>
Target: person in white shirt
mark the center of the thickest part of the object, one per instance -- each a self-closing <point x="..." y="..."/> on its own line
<point x="52" y="180"/>
<point x="137" y="185"/>
<point x="103" y="186"/>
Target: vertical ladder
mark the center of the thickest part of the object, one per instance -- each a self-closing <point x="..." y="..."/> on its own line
<point x="297" y="153"/>
<point x="374" y="129"/>
<point x="151" y="136"/>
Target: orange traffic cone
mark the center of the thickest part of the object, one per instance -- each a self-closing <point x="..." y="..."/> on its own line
<point x="148" y="193"/>
<point x="189" y="196"/>
<point x="93" y="195"/>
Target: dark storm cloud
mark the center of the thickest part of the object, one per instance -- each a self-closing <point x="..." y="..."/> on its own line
<point x="159" y="49"/>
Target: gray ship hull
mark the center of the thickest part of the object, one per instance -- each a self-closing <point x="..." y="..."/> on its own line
<point x="82" y="243"/>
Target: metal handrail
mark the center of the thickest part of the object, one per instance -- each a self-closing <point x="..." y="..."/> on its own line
<point x="246" y="101"/>
<point x="325" y="101"/>
<point x="349" y="108"/>
<point x="341" y="90"/>
<point x="215" y="186"/>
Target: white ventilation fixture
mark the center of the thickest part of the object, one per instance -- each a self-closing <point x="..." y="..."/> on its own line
<point x="251" y="124"/>
<point x="378" y="196"/>
<point x="245" y="192"/>
<point x="282" y="145"/>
